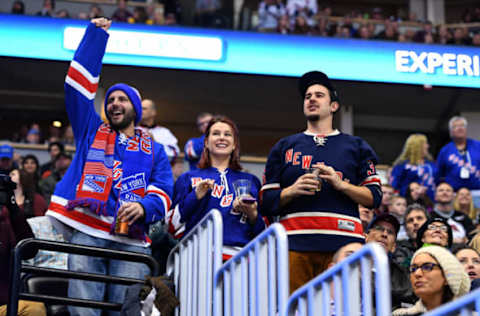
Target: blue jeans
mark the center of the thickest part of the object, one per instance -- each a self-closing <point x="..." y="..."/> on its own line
<point x="98" y="290"/>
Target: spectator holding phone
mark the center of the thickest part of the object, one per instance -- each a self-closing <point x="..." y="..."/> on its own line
<point x="212" y="186"/>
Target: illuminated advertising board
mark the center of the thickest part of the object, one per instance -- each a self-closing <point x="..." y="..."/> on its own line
<point x="247" y="52"/>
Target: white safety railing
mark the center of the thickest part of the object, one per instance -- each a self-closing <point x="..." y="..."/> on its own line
<point x="346" y="288"/>
<point x="255" y="281"/>
<point x="193" y="264"/>
<point x="465" y="306"/>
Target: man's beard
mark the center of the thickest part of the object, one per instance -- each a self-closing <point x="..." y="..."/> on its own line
<point x="128" y="118"/>
<point x="313" y="117"/>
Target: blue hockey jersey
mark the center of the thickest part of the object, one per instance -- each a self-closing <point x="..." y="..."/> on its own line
<point x="405" y="173"/>
<point x="329" y="219"/>
<point x="236" y="229"/>
<point x="81" y="85"/>
<point x="450" y="162"/>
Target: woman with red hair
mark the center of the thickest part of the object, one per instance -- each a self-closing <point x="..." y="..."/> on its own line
<point x="212" y="187"/>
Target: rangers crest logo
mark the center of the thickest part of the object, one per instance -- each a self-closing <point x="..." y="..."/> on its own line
<point x="94" y="183"/>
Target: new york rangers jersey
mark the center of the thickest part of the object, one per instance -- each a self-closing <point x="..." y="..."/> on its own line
<point x="329" y="219"/>
<point x="405" y="173"/>
<point x="236" y="229"/>
<point x="460" y="169"/>
<point x="81" y="86"/>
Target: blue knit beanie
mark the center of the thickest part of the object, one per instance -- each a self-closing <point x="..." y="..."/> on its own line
<point x="132" y="94"/>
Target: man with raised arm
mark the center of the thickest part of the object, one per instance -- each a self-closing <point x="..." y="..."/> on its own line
<point x="119" y="181"/>
<point x="319" y="209"/>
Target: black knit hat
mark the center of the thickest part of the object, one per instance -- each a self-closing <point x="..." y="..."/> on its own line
<point x="316" y="77"/>
<point x="423" y="228"/>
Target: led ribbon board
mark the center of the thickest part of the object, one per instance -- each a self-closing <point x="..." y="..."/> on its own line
<point x="247" y="52"/>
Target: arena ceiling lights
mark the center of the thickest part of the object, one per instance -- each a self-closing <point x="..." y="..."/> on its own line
<point x="247" y="52"/>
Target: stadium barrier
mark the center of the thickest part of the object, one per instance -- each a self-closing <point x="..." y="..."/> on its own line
<point x="193" y="263"/>
<point x="349" y="285"/>
<point x="255" y="280"/>
<point x="31" y="244"/>
<point x="467" y="305"/>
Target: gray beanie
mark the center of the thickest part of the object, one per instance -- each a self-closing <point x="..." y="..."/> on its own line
<point x="454" y="273"/>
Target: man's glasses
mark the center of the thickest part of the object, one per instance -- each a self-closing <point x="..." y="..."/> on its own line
<point x="381" y="229"/>
<point x="442" y="228"/>
<point x="426" y="267"/>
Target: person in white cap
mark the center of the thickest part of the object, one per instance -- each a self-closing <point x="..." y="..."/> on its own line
<point x="437" y="278"/>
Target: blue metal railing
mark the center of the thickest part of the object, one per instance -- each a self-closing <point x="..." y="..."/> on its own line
<point x="193" y="263"/>
<point x="255" y="280"/>
<point x="463" y="306"/>
<point x="346" y="288"/>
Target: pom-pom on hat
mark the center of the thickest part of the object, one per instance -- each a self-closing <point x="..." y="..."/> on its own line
<point x="132" y="94"/>
<point x="454" y="273"/>
<point x="316" y="77"/>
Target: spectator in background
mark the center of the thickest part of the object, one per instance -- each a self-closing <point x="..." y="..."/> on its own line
<point x="160" y="134"/>
<point x="122" y="13"/>
<point x="269" y="12"/>
<point x="194" y="146"/>
<point x="158" y="17"/>
<point x="306" y="8"/>
<point x="397" y="209"/>
<point x="363" y="33"/>
<point x="18" y="7"/>
<point x="48" y="8"/>
<point x="28" y="200"/>
<point x="61" y="164"/>
<point x="283" y="26"/>
<point x="476" y="39"/>
<point x="33" y="135"/>
<point x="82" y="16"/>
<point x="443" y="35"/>
<point x="436" y="231"/>
<point x="13" y="229"/>
<point x="6" y="159"/>
<point x="31" y="166"/>
<point x="68" y="138"/>
<point x="415" y="217"/>
<point x="170" y="19"/>
<point x="95" y="12"/>
<point x="383" y="230"/>
<point x="444" y="207"/>
<point x="206" y="11"/>
<point x="470" y="259"/>
<point x="301" y="26"/>
<point x="463" y="203"/>
<point x="437" y="278"/>
<point x="321" y="27"/>
<point x="458" y="162"/>
<point x="366" y="216"/>
<point x="63" y="14"/>
<point x="139" y="16"/>
<point x="416" y="193"/>
<point x="419" y="36"/>
<point x="460" y="36"/>
<point x="173" y="7"/>
<point x="53" y="150"/>
<point x="387" y="193"/>
<point x="415" y="164"/>
<point x="177" y="167"/>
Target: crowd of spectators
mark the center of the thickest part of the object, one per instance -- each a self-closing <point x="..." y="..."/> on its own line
<point x="290" y="17"/>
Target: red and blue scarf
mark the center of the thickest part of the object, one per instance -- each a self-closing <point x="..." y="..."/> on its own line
<point x="100" y="170"/>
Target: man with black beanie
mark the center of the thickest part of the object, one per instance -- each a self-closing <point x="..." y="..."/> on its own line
<point x="314" y="181"/>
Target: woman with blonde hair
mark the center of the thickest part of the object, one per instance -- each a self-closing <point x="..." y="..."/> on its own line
<point x="464" y="203"/>
<point x="415" y="164"/>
